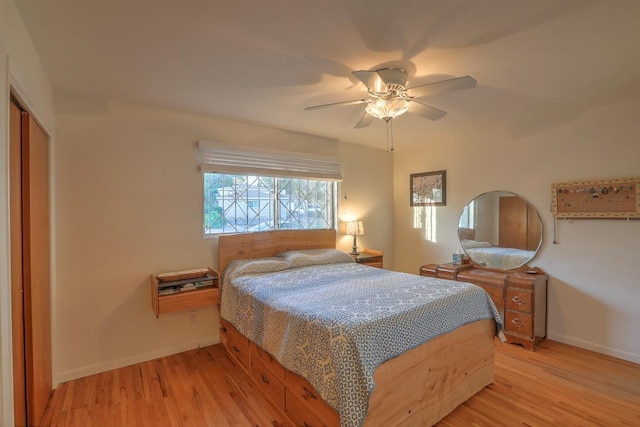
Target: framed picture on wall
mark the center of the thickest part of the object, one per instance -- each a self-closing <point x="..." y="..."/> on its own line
<point x="428" y="188"/>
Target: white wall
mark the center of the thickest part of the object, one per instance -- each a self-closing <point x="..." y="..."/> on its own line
<point x="594" y="288"/>
<point x="21" y="69"/>
<point x="129" y="204"/>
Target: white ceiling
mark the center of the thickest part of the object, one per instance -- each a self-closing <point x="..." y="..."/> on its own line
<point x="539" y="63"/>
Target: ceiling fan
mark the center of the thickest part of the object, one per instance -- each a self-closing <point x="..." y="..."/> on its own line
<point x="389" y="97"/>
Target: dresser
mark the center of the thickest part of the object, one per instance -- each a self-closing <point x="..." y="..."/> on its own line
<point x="520" y="296"/>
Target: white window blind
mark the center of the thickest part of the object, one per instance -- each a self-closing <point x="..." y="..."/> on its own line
<point x="219" y="158"/>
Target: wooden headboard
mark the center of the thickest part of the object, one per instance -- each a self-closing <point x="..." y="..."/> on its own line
<point x="268" y="243"/>
<point x="467" y="233"/>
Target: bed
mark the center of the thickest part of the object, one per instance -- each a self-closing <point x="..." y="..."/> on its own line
<point x="488" y="255"/>
<point x="336" y="378"/>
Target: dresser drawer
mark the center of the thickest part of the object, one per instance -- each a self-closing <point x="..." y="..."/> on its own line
<point x="303" y="393"/>
<point x="496" y="294"/>
<point x="446" y="274"/>
<point x="429" y="270"/>
<point x="237" y="345"/>
<point x="484" y="278"/>
<point x="525" y="281"/>
<point x="519" y="323"/>
<point x="268" y="360"/>
<point x="270" y="385"/>
<point x="376" y="264"/>
<point x="300" y="414"/>
<point x="519" y="300"/>
<point x="223" y="336"/>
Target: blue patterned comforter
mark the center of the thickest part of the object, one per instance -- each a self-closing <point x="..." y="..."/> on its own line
<point x="333" y="321"/>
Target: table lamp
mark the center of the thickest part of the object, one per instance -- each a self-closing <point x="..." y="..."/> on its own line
<point x="355" y="228"/>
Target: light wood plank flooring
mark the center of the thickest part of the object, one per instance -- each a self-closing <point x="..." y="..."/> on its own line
<point x="558" y="385"/>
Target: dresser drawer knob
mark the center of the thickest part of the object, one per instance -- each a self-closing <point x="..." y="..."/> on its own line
<point x="264" y="379"/>
<point x="519" y="323"/>
<point x="236" y="349"/>
<point x="517" y="300"/>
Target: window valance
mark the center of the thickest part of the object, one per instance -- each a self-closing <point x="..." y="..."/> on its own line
<point x="219" y="158"/>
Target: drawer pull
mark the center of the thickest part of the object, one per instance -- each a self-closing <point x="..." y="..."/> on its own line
<point x="304" y="424"/>
<point x="519" y="323"/>
<point x="517" y="300"/>
<point x="308" y="393"/>
<point x="264" y="379"/>
<point x="236" y="349"/>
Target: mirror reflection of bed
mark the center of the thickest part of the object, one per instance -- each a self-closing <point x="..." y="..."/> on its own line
<point x="500" y="229"/>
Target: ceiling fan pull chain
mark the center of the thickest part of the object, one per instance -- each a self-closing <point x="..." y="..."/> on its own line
<point x="389" y="136"/>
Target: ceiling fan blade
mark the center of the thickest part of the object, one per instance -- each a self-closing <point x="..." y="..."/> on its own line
<point x="372" y="80"/>
<point x="318" y="107"/>
<point x="364" y="121"/>
<point x="458" y="83"/>
<point x="431" y="113"/>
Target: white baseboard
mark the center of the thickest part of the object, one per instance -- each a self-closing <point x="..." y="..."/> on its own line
<point x="132" y="360"/>
<point x="587" y="345"/>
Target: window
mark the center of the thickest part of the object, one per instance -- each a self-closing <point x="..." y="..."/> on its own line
<point x="468" y="216"/>
<point x="252" y="189"/>
<point x="242" y="203"/>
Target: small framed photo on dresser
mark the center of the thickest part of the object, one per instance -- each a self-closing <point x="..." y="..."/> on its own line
<point x="428" y="188"/>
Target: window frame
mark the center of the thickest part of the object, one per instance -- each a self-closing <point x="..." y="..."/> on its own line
<point x="334" y="202"/>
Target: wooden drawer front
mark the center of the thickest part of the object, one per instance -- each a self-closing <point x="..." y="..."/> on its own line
<point x="519" y="300"/>
<point x="496" y="294"/>
<point x="523" y="280"/>
<point x="377" y="264"/>
<point x="304" y="394"/>
<point x="268" y="361"/>
<point x="429" y="270"/>
<point x="446" y="274"/>
<point x="300" y="414"/>
<point x="483" y="278"/>
<point x="188" y="300"/>
<point x="238" y="346"/>
<point x="223" y="336"/>
<point x="519" y="323"/>
<point x="267" y="382"/>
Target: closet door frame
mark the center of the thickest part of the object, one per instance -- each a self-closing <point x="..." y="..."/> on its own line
<point x="17" y="284"/>
<point x="31" y="277"/>
<point x="6" y="368"/>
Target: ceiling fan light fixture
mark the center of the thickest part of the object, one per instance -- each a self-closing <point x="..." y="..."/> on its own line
<point x="387" y="109"/>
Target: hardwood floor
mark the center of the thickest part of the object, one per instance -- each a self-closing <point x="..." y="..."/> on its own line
<point x="558" y="385"/>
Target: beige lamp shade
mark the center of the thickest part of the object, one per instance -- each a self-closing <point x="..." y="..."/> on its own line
<point x="355" y="228"/>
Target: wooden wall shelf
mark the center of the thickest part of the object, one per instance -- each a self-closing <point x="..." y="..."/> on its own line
<point x="184" y="290"/>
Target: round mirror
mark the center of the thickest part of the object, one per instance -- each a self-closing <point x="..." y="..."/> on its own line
<point x="500" y="230"/>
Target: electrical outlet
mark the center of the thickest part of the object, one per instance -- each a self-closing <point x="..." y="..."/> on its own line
<point x="193" y="317"/>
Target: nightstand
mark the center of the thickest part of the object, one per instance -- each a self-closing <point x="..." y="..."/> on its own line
<point x="370" y="257"/>
<point x="184" y="290"/>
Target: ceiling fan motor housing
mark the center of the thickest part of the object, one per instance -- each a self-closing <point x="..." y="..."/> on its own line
<point x="394" y="78"/>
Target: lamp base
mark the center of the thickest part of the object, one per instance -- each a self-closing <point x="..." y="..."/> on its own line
<point x="355" y="252"/>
